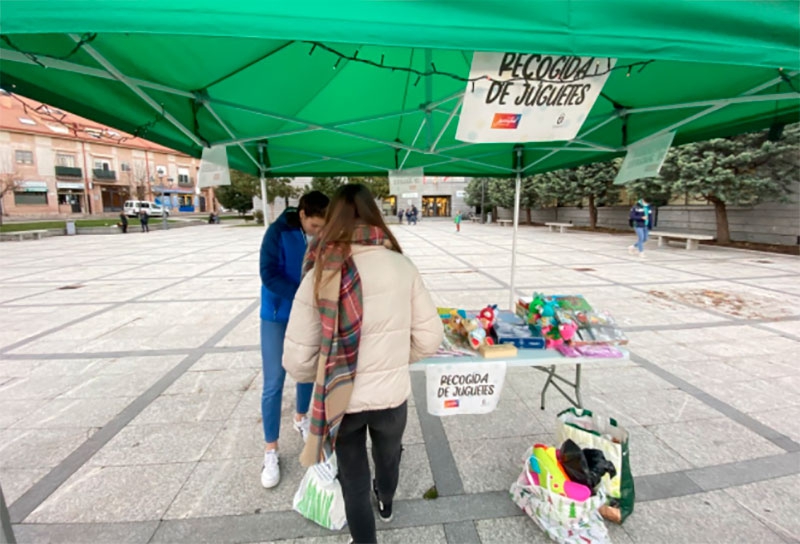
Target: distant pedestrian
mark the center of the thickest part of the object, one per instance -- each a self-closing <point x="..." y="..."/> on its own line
<point x="641" y="219"/>
<point x="144" y="219"/>
<point x="123" y="222"/>
<point x="400" y="216"/>
<point x="414" y="214"/>
<point x="457" y="221"/>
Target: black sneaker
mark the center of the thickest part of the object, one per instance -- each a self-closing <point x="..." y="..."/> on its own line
<point x="384" y="510"/>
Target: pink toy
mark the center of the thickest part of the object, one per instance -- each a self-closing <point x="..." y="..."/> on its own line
<point x="567" y="330"/>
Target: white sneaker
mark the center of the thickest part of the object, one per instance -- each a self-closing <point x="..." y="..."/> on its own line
<point x="271" y="471"/>
<point x="641" y="255"/>
<point x="631" y="249"/>
<point x="303" y="427"/>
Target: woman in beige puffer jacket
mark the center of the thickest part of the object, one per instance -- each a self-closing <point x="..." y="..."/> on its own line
<point x="399" y="325"/>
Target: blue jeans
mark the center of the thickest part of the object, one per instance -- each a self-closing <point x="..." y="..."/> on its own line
<point x="641" y="238"/>
<point x="272" y="334"/>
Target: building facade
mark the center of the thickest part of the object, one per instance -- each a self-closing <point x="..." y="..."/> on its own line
<point x="55" y="164"/>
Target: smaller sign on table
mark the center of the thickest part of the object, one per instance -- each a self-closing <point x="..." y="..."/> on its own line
<point x="464" y="388"/>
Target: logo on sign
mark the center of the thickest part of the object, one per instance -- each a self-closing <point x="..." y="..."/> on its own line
<point x="506" y="120"/>
<point x="452" y="403"/>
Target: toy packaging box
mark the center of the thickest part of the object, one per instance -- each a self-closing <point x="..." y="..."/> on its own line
<point x="512" y="329"/>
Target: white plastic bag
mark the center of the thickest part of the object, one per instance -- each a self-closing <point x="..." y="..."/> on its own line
<point x="565" y="520"/>
<point x="319" y="497"/>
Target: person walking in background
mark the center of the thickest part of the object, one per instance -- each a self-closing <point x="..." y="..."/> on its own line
<point x="281" y="263"/>
<point x="360" y="316"/>
<point x="408" y="215"/>
<point x="123" y="222"/>
<point x="641" y="219"/>
<point x="144" y="219"/>
<point x="457" y="221"/>
<point x="400" y="216"/>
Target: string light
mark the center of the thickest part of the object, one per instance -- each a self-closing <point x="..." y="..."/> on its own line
<point x="433" y="71"/>
<point x="45" y="112"/>
<point x="86" y="38"/>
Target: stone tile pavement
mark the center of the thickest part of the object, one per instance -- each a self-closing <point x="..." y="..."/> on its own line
<point x="130" y="390"/>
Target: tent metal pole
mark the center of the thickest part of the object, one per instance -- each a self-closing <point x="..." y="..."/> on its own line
<point x="64" y="66"/>
<point x="414" y="141"/>
<point x="444" y="100"/>
<point x="263" y="181"/>
<point x="140" y="93"/>
<point x="316" y="128"/>
<point x="517" y="190"/>
<point x="334" y="130"/>
<point x="447" y="124"/>
<point x="596" y="127"/>
<point x="230" y="133"/>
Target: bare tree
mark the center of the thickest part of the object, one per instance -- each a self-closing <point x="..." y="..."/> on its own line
<point x="10" y="179"/>
<point x="139" y="175"/>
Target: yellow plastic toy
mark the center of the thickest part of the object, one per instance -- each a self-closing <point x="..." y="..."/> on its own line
<point x="551" y="475"/>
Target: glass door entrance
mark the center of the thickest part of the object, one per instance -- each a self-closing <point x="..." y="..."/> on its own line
<point x="436" y="206"/>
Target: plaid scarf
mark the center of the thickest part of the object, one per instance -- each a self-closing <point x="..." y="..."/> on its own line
<point x="340" y="311"/>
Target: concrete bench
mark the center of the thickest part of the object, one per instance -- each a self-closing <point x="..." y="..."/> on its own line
<point x="692" y="240"/>
<point x="21" y="234"/>
<point x="475" y="219"/>
<point x="562" y="227"/>
<point x="504" y="222"/>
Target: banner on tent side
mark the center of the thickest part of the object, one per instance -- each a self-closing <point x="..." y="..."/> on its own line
<point x="214" y="167"/>
<point x="405" y="181"/>
<point x="529" y="98"/>
<point x="464" y="388"/>
<point x="644" y="158"/>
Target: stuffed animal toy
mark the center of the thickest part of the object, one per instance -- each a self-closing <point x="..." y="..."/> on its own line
<point x="567" y="330"/>
<point x="476" y="334"/>
<point x="487" y="317"/>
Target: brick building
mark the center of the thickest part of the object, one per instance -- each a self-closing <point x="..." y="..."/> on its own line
<point x="55" y="164"/>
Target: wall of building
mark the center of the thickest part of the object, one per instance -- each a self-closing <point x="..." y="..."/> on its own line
<point x="135" y="173"/>
<point x="768" y="223"/>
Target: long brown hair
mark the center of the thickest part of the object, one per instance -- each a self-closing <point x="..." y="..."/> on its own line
<point x="351" y="205"/>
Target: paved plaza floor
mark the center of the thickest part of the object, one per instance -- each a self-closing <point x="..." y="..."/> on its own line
<point x="130" y="382"/>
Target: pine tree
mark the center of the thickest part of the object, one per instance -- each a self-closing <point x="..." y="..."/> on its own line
<point x="327" y="185"/>
<point x="741" y="170"/>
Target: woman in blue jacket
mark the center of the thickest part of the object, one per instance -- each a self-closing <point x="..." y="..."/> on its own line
<point x="641" y="219"/>
<point x="282" y="252"/>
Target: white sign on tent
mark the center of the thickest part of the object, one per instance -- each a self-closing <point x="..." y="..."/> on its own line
<point x="644" y="158"/>
<point x="529" y="98"/>
<point x="214" y="167"/>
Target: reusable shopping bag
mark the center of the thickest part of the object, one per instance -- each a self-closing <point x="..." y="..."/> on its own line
<point x="590" y="430"/>
<point x="565" y="520"/>
<point x="319" y="497"/>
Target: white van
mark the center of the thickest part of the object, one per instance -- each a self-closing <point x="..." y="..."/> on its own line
<point x="132" y="208"/>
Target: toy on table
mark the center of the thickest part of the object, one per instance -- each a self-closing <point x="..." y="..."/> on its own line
<point x="488" y="317"/>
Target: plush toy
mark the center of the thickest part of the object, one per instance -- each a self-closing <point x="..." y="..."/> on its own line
<point x="567" y="330"/>
<point x="476" y="334"/>
<point x="488" y="316"/>
<point x="456" y="322"/>
<point x="535" y="308"/>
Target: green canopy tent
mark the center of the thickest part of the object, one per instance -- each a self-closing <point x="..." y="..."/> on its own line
<point x="362" y="87"/>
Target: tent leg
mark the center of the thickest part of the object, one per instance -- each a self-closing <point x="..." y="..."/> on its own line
<point x="517" y="190"/>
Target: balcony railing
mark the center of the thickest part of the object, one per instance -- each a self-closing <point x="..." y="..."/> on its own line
<point x="106" y="175"/>
<point x="185" y="180"/>
<point x="69" y="172"/>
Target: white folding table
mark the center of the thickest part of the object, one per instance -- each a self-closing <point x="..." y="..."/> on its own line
<point x="547" y="360"/>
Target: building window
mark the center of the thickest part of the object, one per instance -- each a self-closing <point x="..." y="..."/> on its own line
<point x="102" y="164"/>
<point x="125" y="167"/>
<point x="30" y="199"/>
<point x="183" y="175"/>
<point x="64" y="159"/>
<point x="24" y="157"/>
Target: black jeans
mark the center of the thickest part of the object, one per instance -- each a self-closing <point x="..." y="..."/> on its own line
<point x="386" y="429"/>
